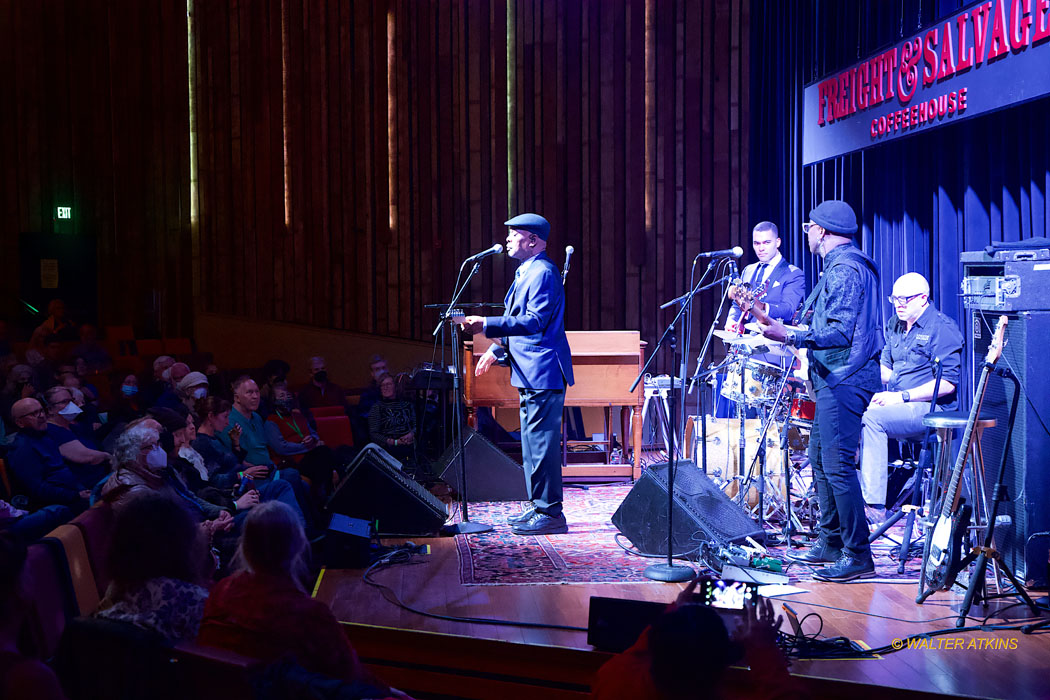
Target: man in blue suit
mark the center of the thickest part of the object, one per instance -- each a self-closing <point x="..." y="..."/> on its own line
<point x="530" y="338"/>
<point x="785" y="285"/>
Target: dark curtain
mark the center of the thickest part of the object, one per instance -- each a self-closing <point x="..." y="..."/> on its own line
<point x="922" y="200"/>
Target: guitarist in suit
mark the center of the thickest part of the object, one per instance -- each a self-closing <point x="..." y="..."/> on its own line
<point x="531" y="339"/>
<point x="785" y="285"/>
<point x="844" y="340"/>
<point x="918" y="335"/>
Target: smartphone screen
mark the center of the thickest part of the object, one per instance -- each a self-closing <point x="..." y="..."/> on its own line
<point x="730" y="595"/>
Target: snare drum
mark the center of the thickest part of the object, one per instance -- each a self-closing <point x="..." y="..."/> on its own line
<point x="761" y="381"/>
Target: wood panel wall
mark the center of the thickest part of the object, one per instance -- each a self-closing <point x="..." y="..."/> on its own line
<point x="95" y="114"/>
<point x="352" y="153"/>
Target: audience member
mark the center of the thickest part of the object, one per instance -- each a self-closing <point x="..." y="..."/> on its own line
<point x="142" y="466"/>
<point x="192" y="388"/>
<point x="159" y="561"/>
<point x="40" y="471"/>
<point x="20" y="676"/>
<point x="272" y="372"/>
<point x="170" y="397"/>
<point x="20" y="384"/>
<point x="288" y="433"/>
<point x="149" y="394"/>
<point x="57" y="324"/>
<point x="218" y="385"/>
<point x="84" y="458"/>
<point x="225" y="469"/>
<point x="127" y="401"/>
<point x="319" y="391"/>
<point x="47" y="361"/>
<point x="690" y="641"/>
<point x="96" y="357"/>
<point x="263" y="610"/>
<point x="391" y="423"/>
<point x="246" y="419"/>
<point x="372" y="394"/>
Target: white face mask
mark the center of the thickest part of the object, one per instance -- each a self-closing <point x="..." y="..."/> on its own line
<point x="200" y="392"/>
<point x="157" y="458"/>
<point x="70" y="411"/>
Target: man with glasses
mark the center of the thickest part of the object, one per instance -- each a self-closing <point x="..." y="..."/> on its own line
<point x="844" y="340"/>
<point x="919" y="335"/>
<point x="40" y="471"/>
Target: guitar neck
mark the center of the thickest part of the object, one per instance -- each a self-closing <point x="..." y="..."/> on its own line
<point x="964" y="449"/>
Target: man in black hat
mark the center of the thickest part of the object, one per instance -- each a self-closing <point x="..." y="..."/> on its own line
<point x="531" y="339"/>
<point x="844" y="340"/>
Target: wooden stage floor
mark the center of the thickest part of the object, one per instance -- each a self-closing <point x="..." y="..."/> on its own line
<point x="1012" y="665"/>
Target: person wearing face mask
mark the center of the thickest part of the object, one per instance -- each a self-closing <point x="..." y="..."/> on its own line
<point x="142" y="466"/>
<point x="192" y="388"/>
<point x="40" y="471"/>
<point x="288" y="433"/>
<point x="918" y="335"/>
<point x="844" y="341"/>
<point x="273" y="372"/>
<point x="89" y="463"/>
<point x="160" y="383"/>
<point x="172" y="397"/>
<point x="319" y="391"/>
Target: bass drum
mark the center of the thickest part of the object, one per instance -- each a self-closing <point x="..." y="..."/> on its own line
<point x="723" y="452"/>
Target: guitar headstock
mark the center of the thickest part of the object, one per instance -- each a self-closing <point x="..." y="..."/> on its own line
<point x="995" y="349"/>
<point x="745" y="295"/>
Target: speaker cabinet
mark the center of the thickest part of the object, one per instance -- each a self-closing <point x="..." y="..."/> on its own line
<point x="1024" y="540"/>
<point x="376" y="490"/>
<point x="701" y="512"/>
<point x="491" y="474"/>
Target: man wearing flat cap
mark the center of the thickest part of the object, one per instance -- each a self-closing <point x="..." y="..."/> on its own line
<point x="530" y="338"/>
<point x="844" y="341"/>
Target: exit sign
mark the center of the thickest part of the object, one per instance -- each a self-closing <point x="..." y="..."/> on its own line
<point x="65" y="212"/>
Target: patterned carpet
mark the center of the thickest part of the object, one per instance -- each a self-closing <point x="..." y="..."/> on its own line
<point x="589" y="553"/>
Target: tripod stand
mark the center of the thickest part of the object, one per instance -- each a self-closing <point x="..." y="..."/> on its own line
<point x="975" y="589"/>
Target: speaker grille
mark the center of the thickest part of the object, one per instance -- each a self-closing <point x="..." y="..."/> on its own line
<point x="1022" y="454"/>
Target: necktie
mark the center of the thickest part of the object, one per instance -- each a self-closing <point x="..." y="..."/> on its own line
<point x="759" y="274"/>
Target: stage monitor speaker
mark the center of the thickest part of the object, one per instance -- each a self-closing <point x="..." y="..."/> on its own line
<point x="347" y="542"/>
<point x="701" y="512"/>
<point x="491" y="474"/>
<point x="376" y="490"/>
<point x="1023" y="541"/>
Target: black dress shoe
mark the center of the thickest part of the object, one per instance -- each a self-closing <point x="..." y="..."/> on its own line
<point x="819" y="553"/>
<point x="847" y="568"/>
<point x="542" y="524"/>
<point x="522" y="517"/>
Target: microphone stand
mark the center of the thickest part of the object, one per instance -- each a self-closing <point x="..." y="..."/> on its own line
<point x="466" y="527"/>
<point x="700" y="364"/>
<point x="669" y="572"/>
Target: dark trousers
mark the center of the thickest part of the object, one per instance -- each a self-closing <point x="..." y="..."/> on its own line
<point x="541" y="411"/>
<point x="833" y="446"/>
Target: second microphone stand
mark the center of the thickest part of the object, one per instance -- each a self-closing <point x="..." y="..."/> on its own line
<point x="465" y="527"/>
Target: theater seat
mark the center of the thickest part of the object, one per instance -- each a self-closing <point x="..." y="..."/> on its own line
<point x="49" y="599"/>
<point x="178" y="346"/>
<point x="149" y="346"/>
<point x="335" y="431"/>
<point x="96" y="526"/>
<point x="327" y="411"/>
<point x="78" y="563"/>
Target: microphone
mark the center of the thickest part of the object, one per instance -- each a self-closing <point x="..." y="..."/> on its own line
<point x="496" y="249"/>
<point x="569" y="250"/>
<point x="734" y="252"/>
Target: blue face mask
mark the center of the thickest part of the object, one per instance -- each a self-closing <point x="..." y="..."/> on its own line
<point x="129" y="390"/>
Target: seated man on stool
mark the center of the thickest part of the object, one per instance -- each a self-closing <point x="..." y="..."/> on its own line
<point x="919" y="335"/>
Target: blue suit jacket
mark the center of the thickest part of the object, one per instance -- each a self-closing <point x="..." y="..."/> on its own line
<point x="532" y="329"/>
<point x="785" y="290"/>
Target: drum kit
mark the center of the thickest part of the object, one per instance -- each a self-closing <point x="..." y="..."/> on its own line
<point x="774" y="414"/>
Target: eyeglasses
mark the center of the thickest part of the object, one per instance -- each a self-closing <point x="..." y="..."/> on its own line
<point x="37" y="412"/>
<point x="807" y="226"/>
<point x="902" y="300"/>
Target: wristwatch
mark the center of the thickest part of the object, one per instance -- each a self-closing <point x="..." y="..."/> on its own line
<point x="905" y="396"/>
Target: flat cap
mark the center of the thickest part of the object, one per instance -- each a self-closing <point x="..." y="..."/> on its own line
<point x="533" y="223"/>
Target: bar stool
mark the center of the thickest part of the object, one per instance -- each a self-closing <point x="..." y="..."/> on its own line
<point x="945" y="423"/>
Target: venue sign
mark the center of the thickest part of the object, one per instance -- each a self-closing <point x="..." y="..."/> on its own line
<point x="991" y="55"/>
